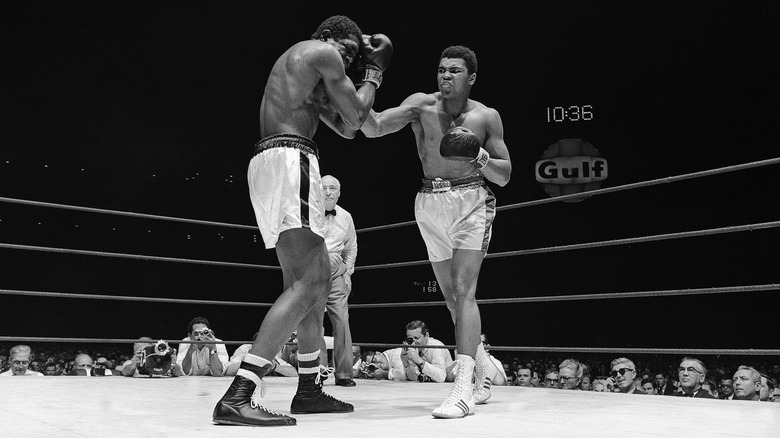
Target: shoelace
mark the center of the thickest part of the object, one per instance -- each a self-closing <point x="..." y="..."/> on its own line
<point x="259" y="390"/>
<point x="454" y="397"/>
<point x="324" y="372"/>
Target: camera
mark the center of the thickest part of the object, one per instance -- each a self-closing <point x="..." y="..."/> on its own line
<point x="409" y="340"/>
<point x="368" y="369"/>
<point x="156" y="359"/>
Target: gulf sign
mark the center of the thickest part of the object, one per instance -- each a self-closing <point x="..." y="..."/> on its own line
<point x="571" y="166"/>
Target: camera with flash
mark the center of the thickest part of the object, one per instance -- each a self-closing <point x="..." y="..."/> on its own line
<point x="156" y="359"/>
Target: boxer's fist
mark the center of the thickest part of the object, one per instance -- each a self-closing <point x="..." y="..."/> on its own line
<point x="376" y="50"/>
<point x="375" y="53"/>
<point x="461" y="144"/>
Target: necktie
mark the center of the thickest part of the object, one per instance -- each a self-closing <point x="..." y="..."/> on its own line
<point x="330" y="213"/>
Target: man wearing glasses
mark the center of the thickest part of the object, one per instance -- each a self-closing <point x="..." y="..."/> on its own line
<point x="570" y="374"/>
<point x="691" y="374"/>
<point x="623" y="374"/>
<point x="19" y="358"/>
<point x="550" y="379"/>
<point x="726" y="388"/>
<point x="207" y="357"/>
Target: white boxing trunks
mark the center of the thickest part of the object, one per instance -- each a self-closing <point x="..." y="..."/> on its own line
<point x="455" y="214"/>
<point x="284" y="186"/>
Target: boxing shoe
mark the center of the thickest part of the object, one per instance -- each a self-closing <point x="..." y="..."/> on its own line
<point x="239" y="407"/>
<point x="482" y="377"/>
<point x="460" y="403"/>
<point x="309" y="398"/>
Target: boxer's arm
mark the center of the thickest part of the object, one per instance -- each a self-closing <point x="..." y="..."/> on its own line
<point x="499" y="168"/>
<point x="394" y="119"/>
<point x="348" y="108"/>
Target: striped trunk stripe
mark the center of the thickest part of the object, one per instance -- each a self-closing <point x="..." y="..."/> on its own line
<point x="304" y="194"/>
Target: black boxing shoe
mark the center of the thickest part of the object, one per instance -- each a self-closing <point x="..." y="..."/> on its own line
<point x="345" y="382"/>
<point x="238" y="407"/>
<point x="309" y="398"/>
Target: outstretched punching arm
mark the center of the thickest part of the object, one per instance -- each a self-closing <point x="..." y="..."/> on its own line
<point x="394" y="119"/>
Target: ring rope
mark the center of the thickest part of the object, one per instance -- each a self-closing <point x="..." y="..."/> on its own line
<point x="126" y="213"/>
<point x="657" y="237"/>
<point x="537" y="299"/>
<point x="133" y="256"/>
<point x="572" y="196"/>
<point x="678" y="351"/>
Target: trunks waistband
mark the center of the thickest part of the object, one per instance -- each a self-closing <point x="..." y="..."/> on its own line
<point x="287" y="141"/>
<point x="439" y="185"/>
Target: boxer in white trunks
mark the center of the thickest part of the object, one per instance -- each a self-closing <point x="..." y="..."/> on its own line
<point x="460" y="143"/>
<point x="307" y="83"/>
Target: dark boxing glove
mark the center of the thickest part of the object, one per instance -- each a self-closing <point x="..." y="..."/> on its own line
<point x="462" y="144"/>
<point x="375" y="53"/>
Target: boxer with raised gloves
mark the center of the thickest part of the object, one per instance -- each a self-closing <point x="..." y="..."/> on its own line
<point x="375" y="53"/>
<point x="461" y="144"/>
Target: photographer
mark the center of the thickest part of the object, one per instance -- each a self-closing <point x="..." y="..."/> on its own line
<point x="426" y="364"/>
<point x="150" y="358"/>
<point x="202" y="359"/>
<point x="380" y="365"/>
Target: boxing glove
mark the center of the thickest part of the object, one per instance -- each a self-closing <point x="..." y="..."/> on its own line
<point x="462" y="144"/>
<point x="375" y="53"/>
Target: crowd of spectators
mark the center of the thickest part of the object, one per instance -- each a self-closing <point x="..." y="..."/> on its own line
<point x="722" y="377"/>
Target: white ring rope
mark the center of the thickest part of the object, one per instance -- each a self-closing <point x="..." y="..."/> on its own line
<point x="657" y="237"/>
<point x="514" y="300"/>
<point x="572" y="196"/>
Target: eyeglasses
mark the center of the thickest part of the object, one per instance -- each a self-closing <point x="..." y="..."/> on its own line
<point x="562" y="379"/>
<point x="622" y="372"/>
<point x="21" y="362"/>
<point x="689" y="369"/>
<point x="722" y="385"/>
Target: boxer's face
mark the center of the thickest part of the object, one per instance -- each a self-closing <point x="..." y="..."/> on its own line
<point x="453" y="76"/>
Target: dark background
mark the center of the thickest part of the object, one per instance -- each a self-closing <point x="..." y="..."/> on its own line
<point x="151" y="107"/>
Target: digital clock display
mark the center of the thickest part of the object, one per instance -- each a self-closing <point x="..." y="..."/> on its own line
<point x="571" y="113"/>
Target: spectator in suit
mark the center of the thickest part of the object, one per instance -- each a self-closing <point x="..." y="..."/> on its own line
<point x="663" y="384"/>
<point x="747" y="384"/>
<point x="570" y="374"/>
<point x="19" y="358"/>
<point x="649" y="386"/>
<point x="550" y="379"/>
<point x="623" y="373"/>
<point x="692" y="373"/>
<point x="523" y="377"/>
<point x="726" y="387"/>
